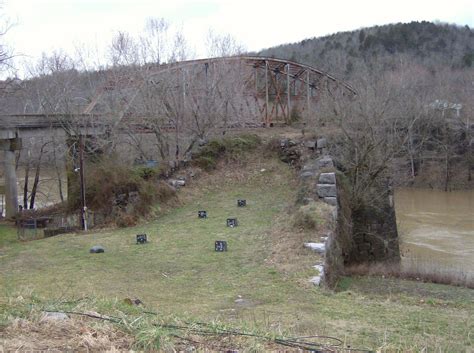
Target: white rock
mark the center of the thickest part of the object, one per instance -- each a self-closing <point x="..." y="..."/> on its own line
<point x="53" y="316"/>
<point x="177" y="183"/>
<point x="317" y="247"/>
<point x="316" y="280"/>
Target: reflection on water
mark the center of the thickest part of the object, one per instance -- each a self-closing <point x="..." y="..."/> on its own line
<point x="437" y="226"/>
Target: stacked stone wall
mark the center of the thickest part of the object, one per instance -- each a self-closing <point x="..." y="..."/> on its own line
<point x="364" y="235"/>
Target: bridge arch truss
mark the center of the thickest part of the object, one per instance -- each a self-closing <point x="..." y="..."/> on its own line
<point x="275" y="90"/>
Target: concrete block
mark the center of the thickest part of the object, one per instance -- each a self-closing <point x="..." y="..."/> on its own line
<point x="7" y="134"/>
<point x="320" y="248"/>
<point x="325" y="162"/>
<point x="326" y="190"/>
<point x="327" y="178"/>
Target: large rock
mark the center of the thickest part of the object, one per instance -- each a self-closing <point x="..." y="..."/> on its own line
<point x="326" y="190"/>
<point x="327" y="178"/>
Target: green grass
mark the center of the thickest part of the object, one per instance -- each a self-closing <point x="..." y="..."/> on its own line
<point x="178" y="273"/>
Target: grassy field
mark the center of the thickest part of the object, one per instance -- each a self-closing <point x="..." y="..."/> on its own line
<point x="260" y="284"/>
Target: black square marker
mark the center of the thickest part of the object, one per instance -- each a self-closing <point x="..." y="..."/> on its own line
<point x="232" y="222"/>
<point x="141" y="239"/>
<point x="220" y="245"/>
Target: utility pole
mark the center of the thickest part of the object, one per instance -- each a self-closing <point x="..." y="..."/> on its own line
<point x="83" y="184"/>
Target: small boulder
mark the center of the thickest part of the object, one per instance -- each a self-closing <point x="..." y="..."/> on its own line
<point x="316" y="280"/>
<point x="322" y="143"/>
<point x="97" y="249"/>
<point x="203" y="142"/>
<point x="177" y="183"/>
<point x="307" y="174"/>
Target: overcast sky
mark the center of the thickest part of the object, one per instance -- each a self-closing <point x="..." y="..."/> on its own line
<point x="45" y="25"/>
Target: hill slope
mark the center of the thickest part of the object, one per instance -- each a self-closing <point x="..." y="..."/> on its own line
<point x="425" y="42"/>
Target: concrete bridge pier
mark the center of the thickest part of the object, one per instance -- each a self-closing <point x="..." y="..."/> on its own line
<point x="9" y="143"/>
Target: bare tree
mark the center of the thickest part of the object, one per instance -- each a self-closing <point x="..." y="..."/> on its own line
<point x="123" y="50"/>
<point x="154" y="45"/>
<point x="222" y="45"/>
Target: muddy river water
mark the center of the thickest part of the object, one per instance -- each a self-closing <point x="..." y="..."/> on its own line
<point x="436" y="227"/>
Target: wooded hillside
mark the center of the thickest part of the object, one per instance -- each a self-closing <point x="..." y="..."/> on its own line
<point x="426" y="43"/>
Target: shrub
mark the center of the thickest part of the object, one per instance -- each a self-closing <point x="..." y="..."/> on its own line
<point x="146" y="173"/>
<point x="229" y="147"/>
<point x="206" y="162"/>
<point x="123" y="220"/>
<point x="111" y="186"/>
<point x="307" y="216"/>
<point x="165" y="192"/>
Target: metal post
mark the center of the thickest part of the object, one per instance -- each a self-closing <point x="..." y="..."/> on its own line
<point x="266" y="92"/>
<point x="256" y="80"/>
<point x="83" y="184"/>
<point x="288" y="90"/>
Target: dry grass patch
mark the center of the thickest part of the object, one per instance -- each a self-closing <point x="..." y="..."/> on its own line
<point x="73" y="334"/>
